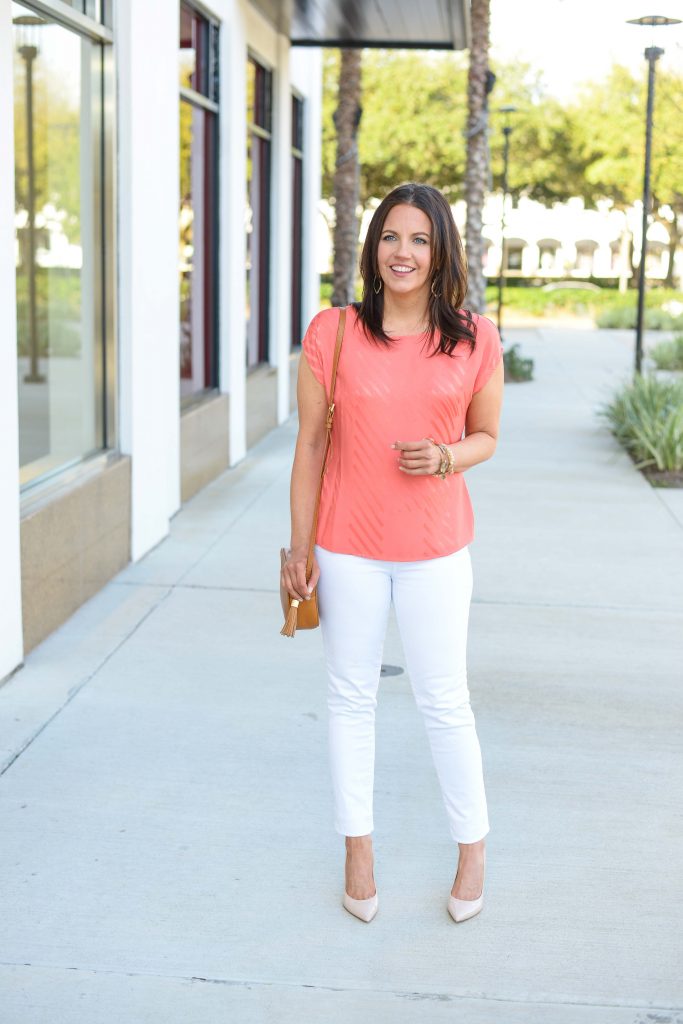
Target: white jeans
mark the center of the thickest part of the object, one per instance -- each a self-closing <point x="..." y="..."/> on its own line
<point x="432" y="601"/>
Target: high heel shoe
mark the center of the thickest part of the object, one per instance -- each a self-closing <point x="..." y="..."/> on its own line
<point x="462" y="910"/>
<point x="364" y="909"/>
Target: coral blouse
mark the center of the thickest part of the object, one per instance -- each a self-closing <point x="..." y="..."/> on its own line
<point x="386" y="393"/>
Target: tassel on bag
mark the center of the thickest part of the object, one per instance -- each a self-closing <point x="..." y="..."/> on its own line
<point x="298" y="614"/>
<point x="289" y="628"/>
<point x="307" y="617"/>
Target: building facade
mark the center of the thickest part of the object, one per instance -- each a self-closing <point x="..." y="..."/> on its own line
<point x="569" y="242"/>
<point x="156" y="267"/>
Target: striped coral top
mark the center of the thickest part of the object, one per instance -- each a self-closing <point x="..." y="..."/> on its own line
<point x="386" y="393"/>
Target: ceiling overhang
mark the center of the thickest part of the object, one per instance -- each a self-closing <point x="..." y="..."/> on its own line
<point x="391" y="24"/>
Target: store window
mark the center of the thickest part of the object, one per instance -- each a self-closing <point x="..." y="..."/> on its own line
<point x="64" y="259"/>
<point x="98" y="10"/>
<point x="259" y="135"/>
<point x="198" y="218"/>
<point x="297" y="214"/>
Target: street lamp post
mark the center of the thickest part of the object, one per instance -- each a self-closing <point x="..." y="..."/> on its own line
<point x="507" y="131"/>
<point x="29" y="53"/>
<point x="652" y="55"/>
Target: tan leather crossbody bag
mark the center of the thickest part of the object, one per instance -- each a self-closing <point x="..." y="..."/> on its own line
<point x="304" y="614"/>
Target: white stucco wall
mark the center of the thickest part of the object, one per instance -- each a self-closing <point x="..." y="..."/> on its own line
<point x="146" y="36"/>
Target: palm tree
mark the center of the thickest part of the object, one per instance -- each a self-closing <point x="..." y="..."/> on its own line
<point x="479" y="84"/>
<point x="346" y="178"/>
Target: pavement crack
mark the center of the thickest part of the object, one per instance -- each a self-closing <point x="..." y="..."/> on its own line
<point x="651" y="1009"/>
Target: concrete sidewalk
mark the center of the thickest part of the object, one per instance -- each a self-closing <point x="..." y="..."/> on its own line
<point x="168" y="853"/>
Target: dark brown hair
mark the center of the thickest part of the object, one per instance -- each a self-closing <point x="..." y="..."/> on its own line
<point x="447" y="273"/>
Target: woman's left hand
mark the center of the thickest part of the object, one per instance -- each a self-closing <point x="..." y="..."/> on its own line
<point x="418" y="457"/>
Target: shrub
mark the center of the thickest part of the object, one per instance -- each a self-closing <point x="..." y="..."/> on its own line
<point x="668" y="355"/>
<point x="625" y="316"/>
<point x="609" y="307"/>
<point x="516" y="367"/>
<point x="646" y="417"/>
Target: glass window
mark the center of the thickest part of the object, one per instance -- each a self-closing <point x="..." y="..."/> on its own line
<point x="584" y="257"/>
<point x="514" y="257"/>
<point x="198" y="222"/>
<point x="297" y="213"/>
<point x="259" y="112"/>
<point x="59" y="253"/>
<point x="92" y="8"/>
<point x="547" y="258"/>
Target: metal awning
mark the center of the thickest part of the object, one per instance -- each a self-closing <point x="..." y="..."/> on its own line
<point x="394" y="24"/>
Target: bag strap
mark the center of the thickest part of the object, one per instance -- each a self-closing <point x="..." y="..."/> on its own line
<point x="328" y="440"/>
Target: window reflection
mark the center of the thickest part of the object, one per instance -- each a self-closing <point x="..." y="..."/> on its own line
<point x="57" y="125"/>
<point x="297" y="215"/>
<point x="257" y="226"/>
<point x="198" y="205"/>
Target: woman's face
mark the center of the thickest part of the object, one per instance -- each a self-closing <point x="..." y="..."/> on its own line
<point x="404" y="253"/>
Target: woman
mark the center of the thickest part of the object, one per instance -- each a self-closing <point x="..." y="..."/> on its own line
<point x="395" y="517"/>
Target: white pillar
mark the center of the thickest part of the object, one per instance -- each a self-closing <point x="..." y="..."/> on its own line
<point x="146" y="39"/>
<point x="11" y="639"/>
<point x="281" y="234"/>
<point x="233" y="204"/>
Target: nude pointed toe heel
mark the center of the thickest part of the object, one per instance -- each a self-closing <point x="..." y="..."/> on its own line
<point x="461" y="910"/>
<point x="364" y="909"/>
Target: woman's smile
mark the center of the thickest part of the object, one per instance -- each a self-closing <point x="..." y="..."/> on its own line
<point x="400" y="269"/>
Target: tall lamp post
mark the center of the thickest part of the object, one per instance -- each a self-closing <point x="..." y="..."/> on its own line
<point x="507" y="132"/>
<point x="29" y="53"/>
<point x="652" y="55"/>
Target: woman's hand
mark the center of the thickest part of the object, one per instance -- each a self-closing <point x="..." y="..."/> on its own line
<point x="418" y="457"/>
<point x="293" y="574"/>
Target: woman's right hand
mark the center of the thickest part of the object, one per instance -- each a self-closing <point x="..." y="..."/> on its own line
<point x="293" y="574"/>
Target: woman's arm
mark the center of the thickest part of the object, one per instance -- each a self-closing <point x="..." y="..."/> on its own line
<point x="310" y="445"/>
<point x="418" y="458"/>
<point x="481" y="423"/>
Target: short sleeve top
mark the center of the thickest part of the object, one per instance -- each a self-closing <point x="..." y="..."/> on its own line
<point x="387" y="393"/>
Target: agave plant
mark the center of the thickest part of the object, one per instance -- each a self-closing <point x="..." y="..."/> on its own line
<point x="646" y="417"/>
<point x="668" y="355"/>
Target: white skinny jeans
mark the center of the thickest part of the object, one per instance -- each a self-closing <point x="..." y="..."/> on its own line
<point x="431" y="598"/>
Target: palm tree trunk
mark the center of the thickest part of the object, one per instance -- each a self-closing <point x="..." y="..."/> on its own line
<point x="347" y="179"/>
<point x="477" y="168"/>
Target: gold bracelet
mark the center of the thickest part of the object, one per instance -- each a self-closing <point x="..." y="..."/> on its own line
<point x="445" y="462"/>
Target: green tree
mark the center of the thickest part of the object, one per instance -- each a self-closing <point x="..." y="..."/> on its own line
<point x="608" y="121"/>
<point x="56" y="147"/>
<point x="414" y="114"/>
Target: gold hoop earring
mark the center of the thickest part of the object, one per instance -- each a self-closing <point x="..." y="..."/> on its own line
<point x="437" y="295"/>
<point x="375" y="289"/>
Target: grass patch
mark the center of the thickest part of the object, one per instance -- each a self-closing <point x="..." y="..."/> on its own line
<point x="609" y="308"/>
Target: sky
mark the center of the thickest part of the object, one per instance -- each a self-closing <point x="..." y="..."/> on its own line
<point x="573" y="41"/>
